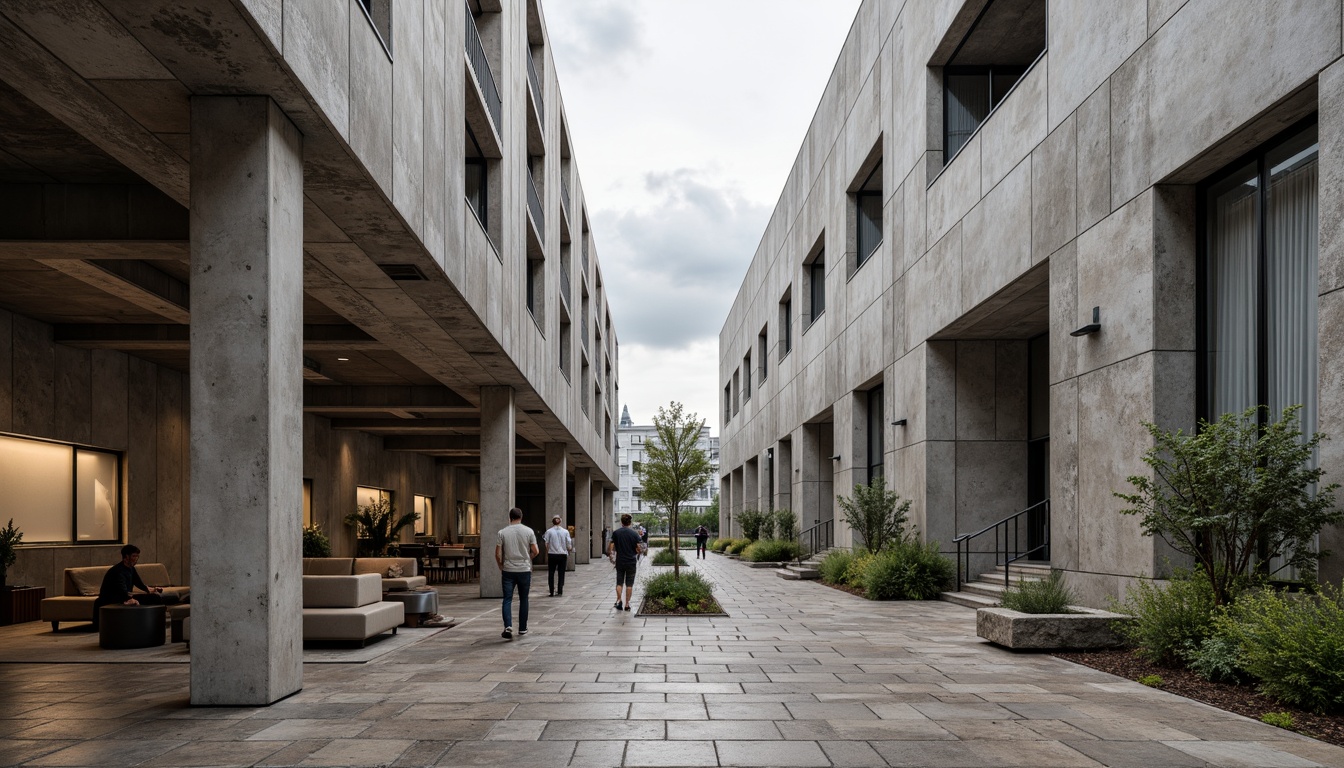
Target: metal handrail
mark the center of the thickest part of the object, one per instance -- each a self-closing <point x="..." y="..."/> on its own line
<point x="1010" y="551"/>
<point x="534" y="205"/>
<point x="535" y="81"/>
<point x="815" y="539"/>
<point x="480" y="64"/>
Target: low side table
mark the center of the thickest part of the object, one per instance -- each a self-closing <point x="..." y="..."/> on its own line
<point x="131" y="626"/>
<point x="418" y="605"/>
<point x="21" y="604"/>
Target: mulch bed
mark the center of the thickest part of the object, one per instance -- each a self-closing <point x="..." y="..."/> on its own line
<point x="649" y="608"/>
<point x="855" y="591"/>
<point x="1240" y="699"/>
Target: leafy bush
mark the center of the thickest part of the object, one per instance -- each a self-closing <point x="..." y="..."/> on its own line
<point x="908" y="571"/>
<point x="857" y="566"/>
<point x="722" y="545"/>
<point x="739" y="546"/>
<point x="667" y="556"/>
<point x="1235" y="493"/>
<point x="1279" y="720"/>
<point x="767" y="529"/>
<point x="1293" y="644"/>
<point x="315" y="542"/>
<point x="1048" y="595"/>
<point x="692" y="591"/>
<point x="786" y="524"/>
<point x="713" y="545"/>
<point x="1216" y="658"/>
<point x="772" y="551"/>
<point x="751" y="521"/>
<point x="1169" y="621"/>
<point x="834" y="565"/>
<point x="1152" y="681"/>
<point x="876" y="515"/>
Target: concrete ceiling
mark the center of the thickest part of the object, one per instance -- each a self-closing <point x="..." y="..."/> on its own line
<point x="1010" y="33"/>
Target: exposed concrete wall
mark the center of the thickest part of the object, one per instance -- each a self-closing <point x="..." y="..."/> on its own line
<point x="1084" y="170"/>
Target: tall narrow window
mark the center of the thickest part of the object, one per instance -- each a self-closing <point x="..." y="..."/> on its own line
<point x="816" y="272"/>
<point x="1260" y="282"/>
<point x="565" y="343"/>
<point x="868" y="215"/>
<point x="877" y="444"/>
<point x="763" y="352"/>
<point x="536" y="288"/>
<point x="746" y="377"/>
<point x="476" y="178"/>
<point x="727" y="403"/>
<point x="785" y="326"/>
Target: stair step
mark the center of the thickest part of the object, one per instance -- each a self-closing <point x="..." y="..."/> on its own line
<point x="968" y="600"/>
<point x="794" y="572"/>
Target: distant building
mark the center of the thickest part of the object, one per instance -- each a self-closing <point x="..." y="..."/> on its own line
<point x="630" y="440"/>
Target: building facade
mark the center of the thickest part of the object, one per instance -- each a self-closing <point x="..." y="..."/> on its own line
<point x="265" y="261"/>
<point x="630" y="438"/>
<point x="1017" y="230"/>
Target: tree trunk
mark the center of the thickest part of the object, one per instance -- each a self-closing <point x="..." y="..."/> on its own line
<point x="674" y="541"/>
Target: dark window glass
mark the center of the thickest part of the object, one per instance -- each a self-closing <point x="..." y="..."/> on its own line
<point x="817" y="272"/>
<point x="476" y="178"/>
<point x="876" y="433"/>
<point x="868" y="201"/>
<point x="764" y="352"/>
<point x="786" y="328"/>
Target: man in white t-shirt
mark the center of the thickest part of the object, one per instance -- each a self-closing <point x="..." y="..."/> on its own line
<point x="515" y="547"/>
<point x="558" y="546"/>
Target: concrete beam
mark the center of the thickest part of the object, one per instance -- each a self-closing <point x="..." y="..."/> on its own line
<point x="419" y="399"/>
<point x="143" y="337"/>
<point x="132" y="281"/>
<point x="94" y="250"/>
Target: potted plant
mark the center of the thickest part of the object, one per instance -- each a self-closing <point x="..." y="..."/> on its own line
<point x="9" y="541"/>
<point x="377" y="526"/>
<point x="315" y="542"/>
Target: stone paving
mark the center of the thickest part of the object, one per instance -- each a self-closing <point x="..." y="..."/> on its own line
<point x="799" y="675"/>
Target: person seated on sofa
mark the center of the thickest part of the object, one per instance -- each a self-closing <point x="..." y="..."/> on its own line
<point x="121" y="579"/>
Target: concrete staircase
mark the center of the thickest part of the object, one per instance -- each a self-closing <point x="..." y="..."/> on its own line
<point x="987" y="590"/>
<point x="807" y="570"/>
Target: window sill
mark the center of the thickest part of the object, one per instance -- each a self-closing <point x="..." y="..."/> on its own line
<point x="484" y="230"/>
<point x="813" y="322"/>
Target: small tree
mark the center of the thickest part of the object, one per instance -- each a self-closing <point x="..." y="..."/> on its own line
<point x="378" y="525"/>
<point x="786" y="523"/>
<point x="752" y="521"/>
<point x="9" y="539"/>
<point x="875" y="514"/>
<point x="1235" y="494"/>
<point x="675" y="468"/>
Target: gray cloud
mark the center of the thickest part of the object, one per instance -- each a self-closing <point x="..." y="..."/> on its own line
<point x="674" y="268"/>
<point x="601" y="34"/>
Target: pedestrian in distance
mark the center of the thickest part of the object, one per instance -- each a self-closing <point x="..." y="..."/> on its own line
<point x="624" y="550"/>
<point x="515" y="547"/>
<point x="701" y="537"/>
<point x="558" y="546"/>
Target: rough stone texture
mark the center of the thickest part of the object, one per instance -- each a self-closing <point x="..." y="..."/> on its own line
<point x="498" y="479"/>
<point x="246" y="401"/>
<point x="1083" y="629"/>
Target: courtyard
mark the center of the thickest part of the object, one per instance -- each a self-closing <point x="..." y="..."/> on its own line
<point x="799" y="675"/>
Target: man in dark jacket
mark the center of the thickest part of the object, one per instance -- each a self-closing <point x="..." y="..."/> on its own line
<point x="120" y="580"/>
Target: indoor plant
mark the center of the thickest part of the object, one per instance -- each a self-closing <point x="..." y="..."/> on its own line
<point x="9" y="540"/>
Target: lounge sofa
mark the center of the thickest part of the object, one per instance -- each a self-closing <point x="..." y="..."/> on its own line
<point x="410" y="577"/>
<point x="347" y="607"/>
<point x="81" y="590"/>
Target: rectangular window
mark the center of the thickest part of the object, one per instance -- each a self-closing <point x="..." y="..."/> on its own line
<point x="424" y="505"/>
<point x="60" y="494"/>
<point x="1003" y="43"/>
<point x="379" y="14"/>
<point x="785" y="326"/>
<point x="877" y="429"/>
<point x="763" y="352"/>
<point x="816" y="272"/>
<point x="737" y="390"/>
<point x="1259" y="275"/>
<point x="468" y="518"/>
<point x="727" y="402"/>
<point x="564" y="347"/>
<point x="476" y="181"/>
<point x="746" y="377"/>
<point x="868" y="215"/>
<point x="536" y="287"/>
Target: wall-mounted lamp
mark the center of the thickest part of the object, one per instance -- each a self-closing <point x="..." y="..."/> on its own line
<point x="1091" y="327"/>
<point x="836" y="457"/>
<point x="898" y="423"/>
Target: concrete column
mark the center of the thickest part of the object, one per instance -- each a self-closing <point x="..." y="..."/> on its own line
<point x="583" y="503"/>
<point x="246" y="401"/>
<point x="764" y="492"/>
<point x="783" y="489"/>
<point x="498" y="476"/>
<point x="806" y="480"/>
<point x="557" y="478"/>
<point x="726" y="516"/>
<point x="596" y="504"/>
<point x="738" y="502"/>
<point x="751" y="485"/>
<point x="608" y="515"/>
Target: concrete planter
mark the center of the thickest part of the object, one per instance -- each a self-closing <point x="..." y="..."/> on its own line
<point x="1088" y="628"/>
<point x="751" y="564"/>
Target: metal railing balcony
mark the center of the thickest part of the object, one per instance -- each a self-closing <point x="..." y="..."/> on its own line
<point x="534" y="206"/>
<point x="480" y="65"/>
<point x="535" y="81"/>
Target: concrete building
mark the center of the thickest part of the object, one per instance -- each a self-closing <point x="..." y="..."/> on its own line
<point x="263" y="261"/>
<point x="1016" y="230"/>
<point x="630" y="439"/>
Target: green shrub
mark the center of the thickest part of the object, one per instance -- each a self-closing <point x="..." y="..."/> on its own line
<point x="786" y="523"/>
<point x="834" y="565"/>
<point x="854" y="572"/>
<point x="713" y="545"/>
<point x="772" y="551"/>
<point x="1292" y="644"/>
<point x="908" y="570"/>
<point x="692" y="591"/>
<point x="751" y="521"/>
<point x="1279" y="720"/>
<point x="1045" y="596"/>
<point x="739" y="546"/>
<point x="666" y="556"/>
<point x="315" y="542"/>
<point x="877" y="516"/>
<point x="722" y="545"/>
<point x="1152" y="681"/>
<point x="1169" y="621"/>
<point x="1216" y="658"/>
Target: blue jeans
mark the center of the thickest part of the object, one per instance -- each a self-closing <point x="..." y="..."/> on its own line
<point x="522" y="580"/>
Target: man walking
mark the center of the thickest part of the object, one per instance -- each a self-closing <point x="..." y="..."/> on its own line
<point x="701" y="536"/>
<point x="558" y="546"/>
<point x="515" y="547"/>
<point x="625" y="549"/>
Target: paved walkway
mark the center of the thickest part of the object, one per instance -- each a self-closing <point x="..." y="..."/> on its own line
<point x="800" y="675"/>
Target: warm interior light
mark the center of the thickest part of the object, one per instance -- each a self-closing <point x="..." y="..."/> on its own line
<point x="343" y="359"/>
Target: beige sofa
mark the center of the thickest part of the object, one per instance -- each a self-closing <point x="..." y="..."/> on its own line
<point x="81" y="590"/>
<point x="347" y="607"/>
<point x="346" y="566"/>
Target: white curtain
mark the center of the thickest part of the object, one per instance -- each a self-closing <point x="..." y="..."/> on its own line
<point x="1232" y="300"/>
<point x="967" y="106"/>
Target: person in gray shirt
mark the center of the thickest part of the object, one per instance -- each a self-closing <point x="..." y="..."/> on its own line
<point x="515" y="547"/>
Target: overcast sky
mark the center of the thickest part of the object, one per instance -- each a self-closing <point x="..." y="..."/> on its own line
<point x="685" y="117"/>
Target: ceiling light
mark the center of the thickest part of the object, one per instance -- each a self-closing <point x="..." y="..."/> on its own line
<point x="343" y="359"/>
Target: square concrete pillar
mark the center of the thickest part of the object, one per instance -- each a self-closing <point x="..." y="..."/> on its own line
<point x="498" y="475"/>
<point x="751" y="485"/>
<point x="608" y="515"/>
<point x="726" y="516"/>
<point x="806" y="489"/>
<point x="246" y="401"/>
<point x="783" y="489"/>
<point x="557" y="478"/>
<point x="595" y="507"/>
<point x="583" y="503"/>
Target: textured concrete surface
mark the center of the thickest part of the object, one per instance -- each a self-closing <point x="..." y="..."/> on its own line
<point x="799" y="675"/>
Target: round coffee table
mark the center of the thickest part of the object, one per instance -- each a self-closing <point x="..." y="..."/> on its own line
<point x="131" y="626"/>
<point x="417" y="605"/>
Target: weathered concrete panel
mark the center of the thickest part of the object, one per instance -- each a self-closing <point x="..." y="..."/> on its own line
<point x="1064" y="510"/>
<point x="1115" y="272"/>
<point x="370" y="100"/>
<point x="996" y="238"/>
<point x="975" y="390"/>
<point x="1054" y="192"/>
<point x="408" y="113"/>
<point x="1093" y="122"/>
<point x="317" y="47"/>
<point x="1088" y="41"/>
<point x="937" y="277"/>
<point x="1016" y="126"/>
